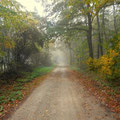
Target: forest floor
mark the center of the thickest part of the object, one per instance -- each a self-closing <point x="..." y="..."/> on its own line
<point x="63" y="96"/>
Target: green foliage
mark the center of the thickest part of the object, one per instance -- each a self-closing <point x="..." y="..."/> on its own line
<point x="90" y="6"/>
<point x="18" y="84"/>
<point x="2" y="99"/>
<point x="40" y="71"/>
<point x="29" y="77"/>
<point x="21" y="34"/>
<point x="24" y="80"/>
<point x="1" y="108"/>
<point x="15" y="95"/>
<point x="17" y="88"/>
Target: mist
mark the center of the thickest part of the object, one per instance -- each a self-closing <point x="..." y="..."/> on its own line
<point x="60" y="53"/>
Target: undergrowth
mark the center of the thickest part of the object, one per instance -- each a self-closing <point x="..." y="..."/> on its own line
<point x="102" y="82"/>
<point x="12" y="92"/>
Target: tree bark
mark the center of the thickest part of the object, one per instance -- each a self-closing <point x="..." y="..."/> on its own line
<point x="70" y="51"/>
<point x="98" y="51"/>
<point x="89" y="35"/>
<point x="115" y="21"/>
<point x="99" y="36"/>
<point x="103" y="26"/>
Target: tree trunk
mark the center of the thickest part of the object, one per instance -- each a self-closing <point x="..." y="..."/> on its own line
<point x="99" y="36"/>
<point x="98" y="51"/>
<point x="115" y="21"/>
<point x="103" y="26"/>
<point x="70" y="50"/>
<point x="89" y="35"/>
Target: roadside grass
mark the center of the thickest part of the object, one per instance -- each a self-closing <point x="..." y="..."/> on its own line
<point x="11" y="94"/>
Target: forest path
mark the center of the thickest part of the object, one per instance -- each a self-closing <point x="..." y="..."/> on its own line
<point x="61" y="97"/>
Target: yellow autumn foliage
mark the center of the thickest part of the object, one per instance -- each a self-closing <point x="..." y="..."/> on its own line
<point x="104" y="64"/>
<point x="9" y="44"/>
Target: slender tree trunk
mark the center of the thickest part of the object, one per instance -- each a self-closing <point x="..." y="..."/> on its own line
<point x="103" y="26"/>
<point x="115" y="21"/>
<point x="98" y="51"/>
<point x="99" y="36"/>
<point x="70" y="55"/>
<point x="89" y="35"/>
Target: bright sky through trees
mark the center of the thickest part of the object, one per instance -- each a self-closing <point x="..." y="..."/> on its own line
<point x="31" y="5"/>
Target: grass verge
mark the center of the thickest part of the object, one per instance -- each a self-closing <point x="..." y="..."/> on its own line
<point x="12" y="94"/>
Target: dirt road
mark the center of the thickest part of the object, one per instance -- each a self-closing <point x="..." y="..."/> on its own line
<point x="60" y="97"/>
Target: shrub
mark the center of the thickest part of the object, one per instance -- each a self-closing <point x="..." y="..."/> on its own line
<point x="92" y="63"/>
<point x="108" y="65"/>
